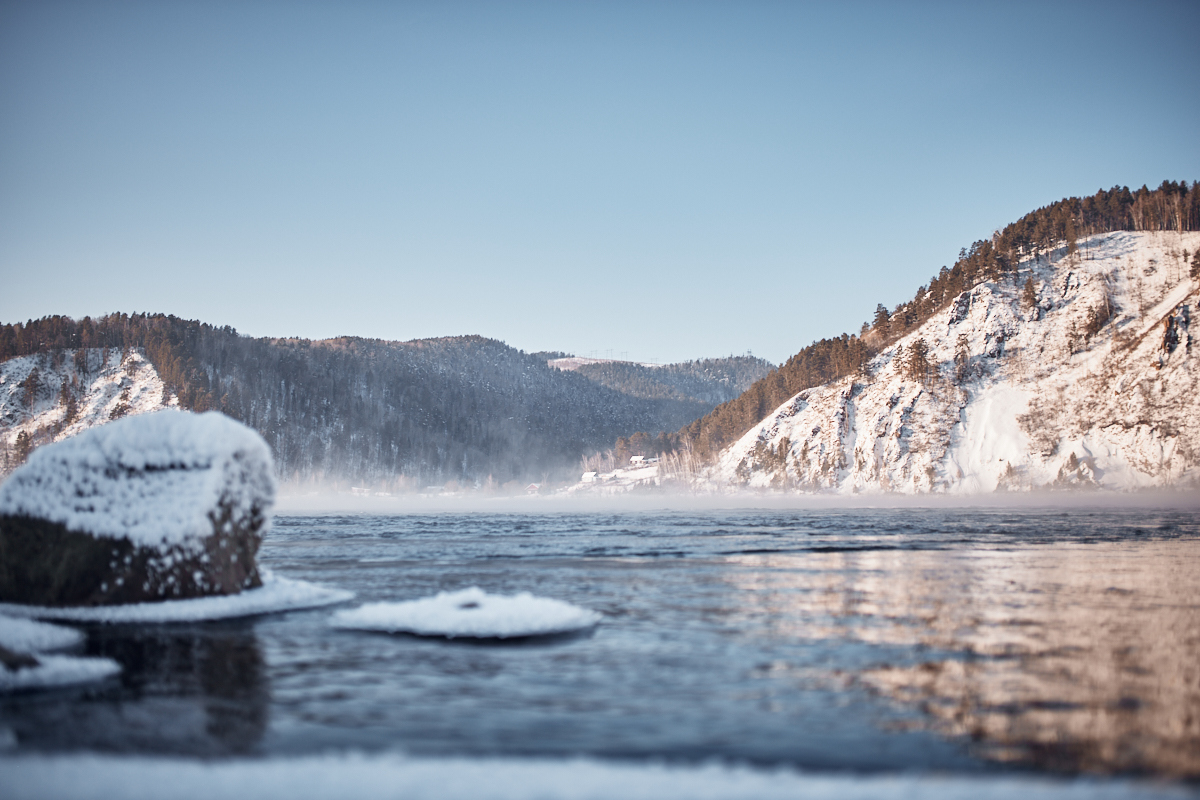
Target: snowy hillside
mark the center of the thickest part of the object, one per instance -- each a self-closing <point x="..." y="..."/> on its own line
<point x="1093" y="384"/>
<point x="48" y="397"/>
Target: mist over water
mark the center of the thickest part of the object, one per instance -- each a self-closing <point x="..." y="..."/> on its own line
<point x="961" y="639"/>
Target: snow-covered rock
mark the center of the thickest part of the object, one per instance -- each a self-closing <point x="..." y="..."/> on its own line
<point x="1019" y="397"/>
<point x="151" y="507"/>
<point x="470" y="613"/>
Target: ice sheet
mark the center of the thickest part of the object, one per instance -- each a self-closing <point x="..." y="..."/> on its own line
<point x="470" y="613"/>
<point x="276" y="594"/>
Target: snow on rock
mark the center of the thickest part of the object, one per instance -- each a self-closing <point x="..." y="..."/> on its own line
<point x="276" y="594"/>
<point x="470" y="613"/>
<point x="1094" y="386"/>
<point x="152" y="479"/>
<point x="168" y="504"/>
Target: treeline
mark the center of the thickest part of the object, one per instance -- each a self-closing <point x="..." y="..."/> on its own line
<point x="819" y="363"/>
<point x="384" y="414"/>
<point x="1171" y="207"/>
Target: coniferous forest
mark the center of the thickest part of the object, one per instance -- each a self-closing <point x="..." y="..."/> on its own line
<point x="390" y="415"/>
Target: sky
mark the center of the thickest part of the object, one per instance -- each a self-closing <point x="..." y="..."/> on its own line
<point x="652" y="181"/>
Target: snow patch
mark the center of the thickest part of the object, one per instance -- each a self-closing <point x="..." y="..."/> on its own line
<point x="276" y="594"/>
<point x="991" y="441"/>
<point x="470" y="613"/>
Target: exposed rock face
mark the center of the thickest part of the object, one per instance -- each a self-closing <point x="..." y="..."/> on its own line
<point x="160" y="506"/>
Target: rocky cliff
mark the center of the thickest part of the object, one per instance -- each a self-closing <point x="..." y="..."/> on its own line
<point x="1082" y="370"/>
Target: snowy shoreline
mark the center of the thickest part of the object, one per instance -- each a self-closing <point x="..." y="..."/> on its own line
<point x="355" y="775"/>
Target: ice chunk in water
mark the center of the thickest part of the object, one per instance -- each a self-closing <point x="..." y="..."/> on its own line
<point x="471" y="613"/>
<point x="27" y="636"/>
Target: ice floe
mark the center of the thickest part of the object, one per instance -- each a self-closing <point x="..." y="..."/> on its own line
<point x="365" y="777"/>
<point x="276" y="594"/>
<point x="27" y="636"/>
<point x="55" y="670"/>
<point x="470" y="613"/>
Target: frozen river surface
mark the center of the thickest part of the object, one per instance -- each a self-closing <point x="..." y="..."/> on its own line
<point x="959" y="641"/>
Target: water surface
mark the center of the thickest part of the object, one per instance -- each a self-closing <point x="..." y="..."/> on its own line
<point x="958" y="640"/>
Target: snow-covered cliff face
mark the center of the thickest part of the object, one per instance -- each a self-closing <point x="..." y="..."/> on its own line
<point x="1096" y="384"/>
<point x="100" y="385"/>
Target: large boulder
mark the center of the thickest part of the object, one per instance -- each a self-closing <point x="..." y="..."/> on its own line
<point x="159" y="506"/>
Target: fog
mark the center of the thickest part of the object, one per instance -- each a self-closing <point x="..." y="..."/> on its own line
<point x="328" y="501"/>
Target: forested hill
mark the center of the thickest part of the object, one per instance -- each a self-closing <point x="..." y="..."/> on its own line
<point x="370" y="412"/>
<point x="1170" y="207"/>
<point x="704" y="382"/>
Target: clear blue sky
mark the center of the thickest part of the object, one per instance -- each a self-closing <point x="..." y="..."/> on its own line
<point x="666" y="180"/>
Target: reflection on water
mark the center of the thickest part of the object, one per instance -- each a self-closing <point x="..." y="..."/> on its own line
<point x="184" y="689"/>
<point x="1068" y="657"/>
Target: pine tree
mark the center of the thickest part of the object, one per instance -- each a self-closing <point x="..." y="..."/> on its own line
<point x="31" y="384"/>
<point x="916" y="361"/>
<point x="24" y="446"/>
<point x="962" y="358"/>
<point x="1029" y="294"/>
<point x="881" y="318"/>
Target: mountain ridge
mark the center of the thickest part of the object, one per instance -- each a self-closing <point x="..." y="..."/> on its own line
<point x="388" y="415"/>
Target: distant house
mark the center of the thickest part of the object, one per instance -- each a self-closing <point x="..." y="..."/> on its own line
<point x="533" y="488"/>
<point x="637" y="461"/>
<point x="590" y="477"/>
